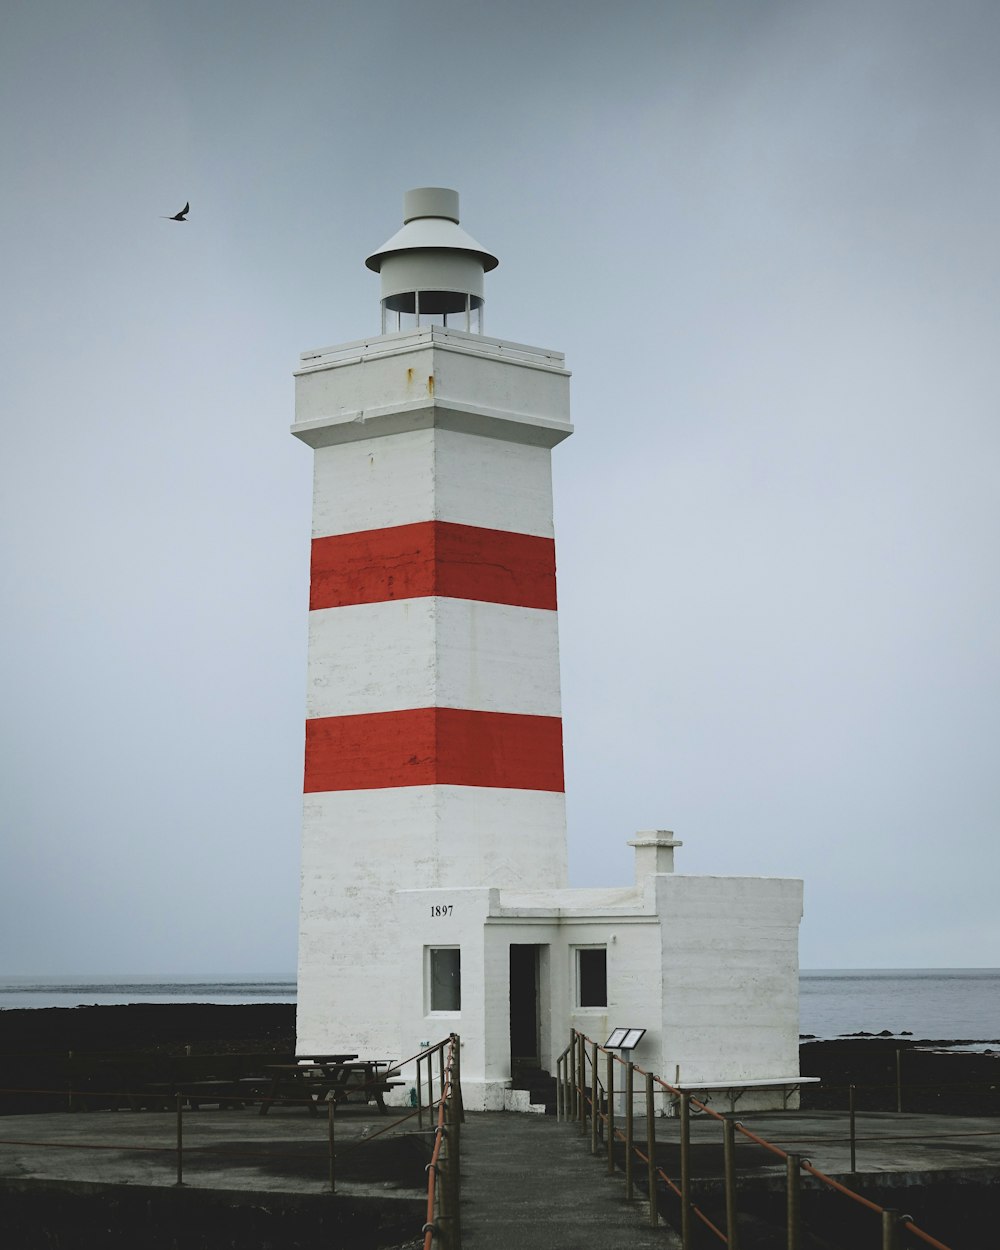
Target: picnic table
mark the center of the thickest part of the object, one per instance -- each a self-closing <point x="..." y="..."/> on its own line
<point x="324" y="1078"/>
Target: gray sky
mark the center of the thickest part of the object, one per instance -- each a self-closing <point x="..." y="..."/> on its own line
<point x="765" y="235"/>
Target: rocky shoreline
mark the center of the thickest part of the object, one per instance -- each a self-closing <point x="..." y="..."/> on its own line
<point x="933" y="1078"/>
<point x="157" y="1028"/>
<point x="926" y="1075"/>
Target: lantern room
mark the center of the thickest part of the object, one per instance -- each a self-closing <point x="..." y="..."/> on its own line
<point x="431" y="270"/>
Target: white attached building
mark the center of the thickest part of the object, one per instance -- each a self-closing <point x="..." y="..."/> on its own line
<point x="434" y="881"/>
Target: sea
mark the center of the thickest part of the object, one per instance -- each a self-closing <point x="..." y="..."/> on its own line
<point x="960" y="1004"/>
<point x="111" y="991"/>
<point x="928" y="1003"/>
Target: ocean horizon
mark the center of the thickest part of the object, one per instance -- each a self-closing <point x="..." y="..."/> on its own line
<point x="110" y="990"/>
<point x="924" y="1003"/>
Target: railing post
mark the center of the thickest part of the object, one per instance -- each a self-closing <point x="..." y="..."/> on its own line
<point x="442" y="1192"/>
<point x="629" y="1128"/>
<point x="180" y="1139"/>
<point x="455" y="1144"/>
<point x="446" y="1219"/>
<point x="851" y="1110"/>
<point x="582" y="1084"/>
<point x="441" y="1067"/>
<point x="441" y="1124"/>
<point x="569" y="1070"/>
<point x="456" y="1096"/>
<point x="574" y="1111"/>
<point x="595" y="1104"/>
<point x="332" y="1102"/>
<point x="792" y="1194"/>
<point x="899" y="1079"/>
<point x="654" y="1214"/>
<point x="457" y="1078"/>
<point x="685" y="1170"/>
<point x="729" y="1163"/>
<point x="890" y="1229"/>
<point x="420" y="1098"/>
<point x="611" y="1113"/>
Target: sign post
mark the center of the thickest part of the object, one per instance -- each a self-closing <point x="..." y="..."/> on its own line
<point x="626" y="1041"/>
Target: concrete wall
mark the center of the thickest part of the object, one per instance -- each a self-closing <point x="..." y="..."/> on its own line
<point x="432" y="474"/>
<point x="730" y="978"/>
<point x="433" y="652"/>
<point x="449" y="918"/>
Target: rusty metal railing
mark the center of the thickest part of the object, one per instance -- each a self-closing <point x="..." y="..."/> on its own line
<point x="443" y="1226"/>
<point x="578" y="1102"/>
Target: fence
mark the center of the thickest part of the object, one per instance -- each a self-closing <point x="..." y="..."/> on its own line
<point x="591" y="1105"/>
<point x="437" y="1064"/>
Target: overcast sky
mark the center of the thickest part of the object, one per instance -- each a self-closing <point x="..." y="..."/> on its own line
<point x="766" y="237"/>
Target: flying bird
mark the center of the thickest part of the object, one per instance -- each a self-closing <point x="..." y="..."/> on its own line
<point x="181" y="216"/>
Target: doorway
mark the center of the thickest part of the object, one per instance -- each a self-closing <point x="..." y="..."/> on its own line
<point x="525" y="1050"/>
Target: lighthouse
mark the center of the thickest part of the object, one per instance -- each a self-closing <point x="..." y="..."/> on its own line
<point x="434" y="893"/>
<point x="433" y="750"/>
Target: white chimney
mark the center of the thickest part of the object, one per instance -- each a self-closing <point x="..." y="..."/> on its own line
<point x="654" y="852"/>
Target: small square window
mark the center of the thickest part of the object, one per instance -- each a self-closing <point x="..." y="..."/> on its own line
<point x="445" y="978"/>
<point x="592" y="976"/>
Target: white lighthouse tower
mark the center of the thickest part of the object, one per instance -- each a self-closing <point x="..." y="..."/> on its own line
<point x="434" y="887"/>
<point x="433" y="730"/>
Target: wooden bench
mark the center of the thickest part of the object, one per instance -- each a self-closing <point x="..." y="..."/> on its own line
<point x="736" y="1089"/>
<point x="371" y="1086"/>
<point x="330" y="1080"/>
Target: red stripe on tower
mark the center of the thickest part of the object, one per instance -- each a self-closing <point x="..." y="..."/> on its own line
<point x="433" y="558"/>
<point x="434" y="746"/>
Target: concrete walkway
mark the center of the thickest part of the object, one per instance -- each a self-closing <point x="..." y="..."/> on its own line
<point x="530" y="1183"/>
<point x="903" y="1144"/>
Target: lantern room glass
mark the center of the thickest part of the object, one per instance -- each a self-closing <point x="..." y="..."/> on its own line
<point x="412" y="310"/>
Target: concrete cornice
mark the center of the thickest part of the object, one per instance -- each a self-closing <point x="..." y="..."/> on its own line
<point x="419" y="414"/>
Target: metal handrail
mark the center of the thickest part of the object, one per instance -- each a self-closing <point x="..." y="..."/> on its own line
<point x="443" y="1224"/>
<point x="579" y="1044"/>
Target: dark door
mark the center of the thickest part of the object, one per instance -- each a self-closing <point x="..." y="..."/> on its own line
<point x="524" y="1046"/>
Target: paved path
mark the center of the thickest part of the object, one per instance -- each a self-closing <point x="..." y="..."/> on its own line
<point x="531" y="1183"/>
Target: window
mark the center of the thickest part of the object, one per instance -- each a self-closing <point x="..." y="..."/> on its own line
<point x="444" y="967"/>
<point x="592" y="976"/>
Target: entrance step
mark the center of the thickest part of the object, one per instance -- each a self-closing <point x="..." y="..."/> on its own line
<point x="534" y="1089"/>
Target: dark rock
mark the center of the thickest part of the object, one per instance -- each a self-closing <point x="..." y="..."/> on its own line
<point x="934" y="1078"/>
